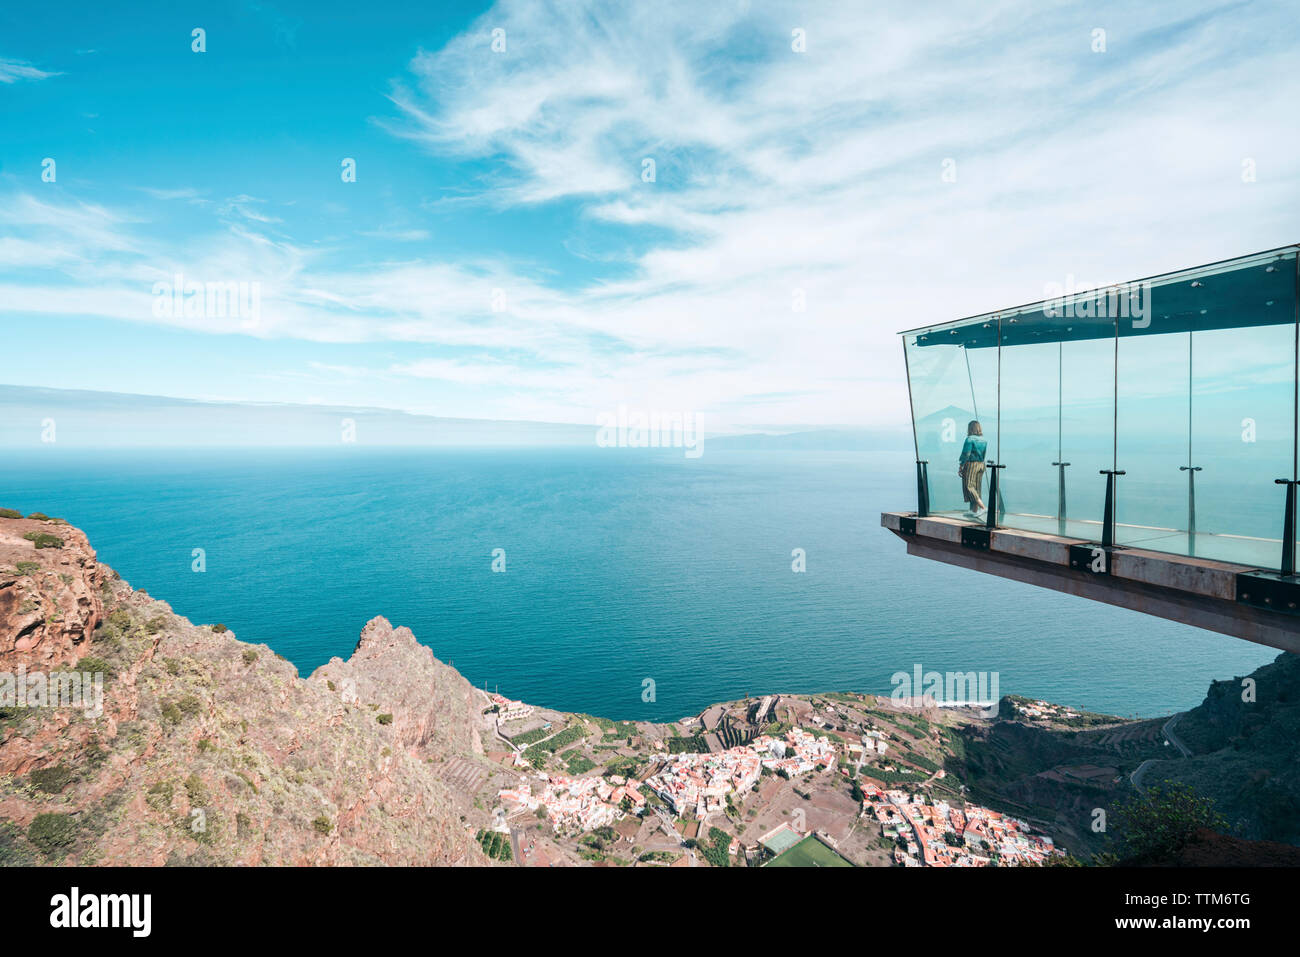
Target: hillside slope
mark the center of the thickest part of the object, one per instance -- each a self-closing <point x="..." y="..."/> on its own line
<point x="1245" y="744"/>
<point x="1244" y="740"/>
<point x="212" y="751"/>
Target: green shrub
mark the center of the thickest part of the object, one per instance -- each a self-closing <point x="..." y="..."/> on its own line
<point x="322" y="825"/>
<point x="14" y="850"/>
<point x="52" y="833"/>
<point x="220" y="629"/>
<point x="28" y="568"/>
<point x="195" y="791"/>
<point x="51" y="780"/>
<point x="160" y="795"/>
<point x="716" y="851"/>
<point x="250" y="655"/>
<point x="1156" y="824"/>
<point x="155" y="624"/>
<point x="44" y="539"/>
<point x="95" y="753"/>
<point x="384" y="718"/>
<point x="39" y="516"/>
<point x="95" y="665"/>
<point x="174" y="712"/>
<point x="10" y="513"/>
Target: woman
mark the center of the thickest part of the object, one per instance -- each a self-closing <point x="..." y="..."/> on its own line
<point x="971" y="465"/>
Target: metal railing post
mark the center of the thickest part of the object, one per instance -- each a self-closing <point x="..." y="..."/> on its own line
<point x="994" y="509"/>
<point x="922" y="488"/>
<point x="1191" y="471"/>
<point x="1288" y="527"/>
<point x="1108" y="516"/>
<point x="1060" y="498"/>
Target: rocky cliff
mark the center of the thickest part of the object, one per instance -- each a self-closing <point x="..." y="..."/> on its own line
<point x="50" y="602"/>
<point x="212" y="751"/>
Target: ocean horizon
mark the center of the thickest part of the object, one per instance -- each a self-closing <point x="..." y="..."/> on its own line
<point x="619" y="566"/>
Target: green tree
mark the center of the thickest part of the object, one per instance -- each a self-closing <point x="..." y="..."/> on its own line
<point x="1157" y="823"/>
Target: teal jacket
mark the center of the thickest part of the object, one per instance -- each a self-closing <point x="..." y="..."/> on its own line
<point x="974" y="449"/>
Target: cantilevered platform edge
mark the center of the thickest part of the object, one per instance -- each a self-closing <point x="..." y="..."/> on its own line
<point x="1244" y="602"/>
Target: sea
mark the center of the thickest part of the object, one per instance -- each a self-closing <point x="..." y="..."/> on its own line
<point x="626" y="583"/>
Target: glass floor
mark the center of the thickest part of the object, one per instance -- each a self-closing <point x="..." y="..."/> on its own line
<point x="1238" y="549"/>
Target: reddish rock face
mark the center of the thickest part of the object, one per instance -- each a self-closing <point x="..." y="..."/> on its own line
<point x="281" y="769"/>
<point x="50" y="598"/>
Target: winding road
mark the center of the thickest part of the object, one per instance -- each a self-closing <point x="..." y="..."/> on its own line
<point x="1140" y="771"/>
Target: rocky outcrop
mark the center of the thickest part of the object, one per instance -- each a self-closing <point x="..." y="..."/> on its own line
<point x="432" y="705"/>
<point x="212" y="751"/>
<point x="50" y="601"/>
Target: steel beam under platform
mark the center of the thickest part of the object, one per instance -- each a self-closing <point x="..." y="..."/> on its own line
<point x="1249" y="603"/>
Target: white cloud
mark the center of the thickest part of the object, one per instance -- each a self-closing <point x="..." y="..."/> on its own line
<point x="779" y="175"/>
<point x="820" y="172"/>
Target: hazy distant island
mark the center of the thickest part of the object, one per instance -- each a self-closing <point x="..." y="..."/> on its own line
<point x="33" y="417"/>
<point x="196" y="748"/>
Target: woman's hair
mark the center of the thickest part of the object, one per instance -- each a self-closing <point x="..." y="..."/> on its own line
<point x="974" y="428"/>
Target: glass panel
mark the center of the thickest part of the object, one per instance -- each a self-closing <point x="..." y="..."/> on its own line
<point x="1154" y="392"/>
<point x="952" y="372"/>
<point x="1206" y="414"/>
<point x="1031" y="435"/>
<point x="1243" y="433"/>
<point x="1058" y="375"/>
<point x="1088" y="431"/>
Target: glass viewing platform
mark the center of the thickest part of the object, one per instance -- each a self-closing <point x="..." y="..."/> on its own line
<point x="1158" y="414"/>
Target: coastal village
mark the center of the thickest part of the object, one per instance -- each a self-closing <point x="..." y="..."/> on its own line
<point x="829" y="780"/>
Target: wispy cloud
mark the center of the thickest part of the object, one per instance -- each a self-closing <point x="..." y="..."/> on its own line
<point x="12" y="71"/>
<point x="786" y="178"/>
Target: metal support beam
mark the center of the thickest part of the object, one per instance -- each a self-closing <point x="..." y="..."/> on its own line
<point x="922" y="489"/>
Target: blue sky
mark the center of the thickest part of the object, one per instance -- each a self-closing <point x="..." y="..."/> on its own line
<point x="501" y="255"/>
